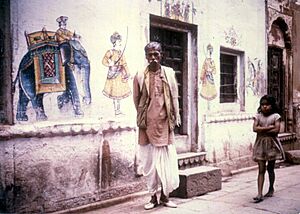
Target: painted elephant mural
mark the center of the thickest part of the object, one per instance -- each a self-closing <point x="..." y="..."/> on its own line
<point x="65" y="64"/>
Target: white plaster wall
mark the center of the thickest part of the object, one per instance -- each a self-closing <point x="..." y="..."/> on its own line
<point x="95" y="21"/>
<point x="231" y="139"/>
<point x="216" y="18"/>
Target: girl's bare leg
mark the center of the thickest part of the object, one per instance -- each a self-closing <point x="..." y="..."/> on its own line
<point x="270" y="169"/>
<point x="260" y="180"/>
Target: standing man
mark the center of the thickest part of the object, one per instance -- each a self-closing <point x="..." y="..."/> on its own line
<point x="155" y="94"/>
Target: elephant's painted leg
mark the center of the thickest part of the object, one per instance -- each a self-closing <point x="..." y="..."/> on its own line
<point x="63" y="99"/>
<point x="74" y="95"/>
<point x="76" y="104"/>
<point x="38" y="106"/>
<point x="22" y="106"/>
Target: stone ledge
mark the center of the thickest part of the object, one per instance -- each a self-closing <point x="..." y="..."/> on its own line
<point x="286" y="138"/>
<point x="235" y="117"/>
<point x="71" y="128"/>
<point x="293" y="156"/>
<point x="190" y="159"/>
<point x="198" y="181"/>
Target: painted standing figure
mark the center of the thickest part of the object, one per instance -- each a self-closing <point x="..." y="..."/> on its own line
<point x="208" y="90"/>
<point x="267" y="147"/>
<point x="155" y="94"/>
<point x="116" y="85"/>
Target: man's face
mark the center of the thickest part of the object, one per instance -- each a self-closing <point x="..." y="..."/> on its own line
<point x="154" y="57"/>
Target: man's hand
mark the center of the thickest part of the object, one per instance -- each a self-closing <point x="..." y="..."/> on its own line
<point x="178" y="120"/>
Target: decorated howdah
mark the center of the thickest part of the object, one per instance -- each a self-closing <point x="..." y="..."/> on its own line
<point x="48" y="69"/>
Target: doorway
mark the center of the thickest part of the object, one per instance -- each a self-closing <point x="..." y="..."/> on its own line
<point x="276" y="74"/>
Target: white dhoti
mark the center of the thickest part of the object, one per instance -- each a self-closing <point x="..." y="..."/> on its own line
<point x="160" y="166"/>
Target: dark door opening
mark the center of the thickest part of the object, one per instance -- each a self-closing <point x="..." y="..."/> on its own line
<point x="276" y="75"/>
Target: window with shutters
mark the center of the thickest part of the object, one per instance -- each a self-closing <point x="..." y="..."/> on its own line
<point x="228" y="85"/>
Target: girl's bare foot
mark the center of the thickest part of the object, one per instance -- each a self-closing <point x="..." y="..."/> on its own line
<point x="258" y="199"/>
<point x="269" y="193"/>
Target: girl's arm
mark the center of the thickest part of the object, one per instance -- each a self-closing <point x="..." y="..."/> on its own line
<point x="276" y="128"/>
<point x="260" y="129"/>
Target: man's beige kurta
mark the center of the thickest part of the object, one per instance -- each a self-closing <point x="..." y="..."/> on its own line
<point x="157" y="131"/>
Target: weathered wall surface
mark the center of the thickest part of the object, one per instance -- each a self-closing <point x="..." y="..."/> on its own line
<point x="46" y="169"/>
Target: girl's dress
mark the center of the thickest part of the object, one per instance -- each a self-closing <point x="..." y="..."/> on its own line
<point x="267" y="147"/>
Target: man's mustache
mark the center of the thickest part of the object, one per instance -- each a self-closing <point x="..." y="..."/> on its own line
<point x="153" y="62"/>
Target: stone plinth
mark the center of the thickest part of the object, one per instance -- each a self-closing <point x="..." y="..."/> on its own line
<point x="198" y="181"/>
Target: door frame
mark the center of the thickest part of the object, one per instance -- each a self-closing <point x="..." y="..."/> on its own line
<point x="279" y="36"/>
<point x="6" y="94"/>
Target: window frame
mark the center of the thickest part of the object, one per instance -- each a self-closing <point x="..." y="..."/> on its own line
<point x="239" y="103"/>
<point x="231" y="76"/>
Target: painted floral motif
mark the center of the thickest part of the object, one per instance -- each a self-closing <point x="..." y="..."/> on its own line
<point x="232" y="37"/>
<point x="255" y="81"/>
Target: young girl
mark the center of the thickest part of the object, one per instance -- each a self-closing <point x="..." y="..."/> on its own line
<point x="267" y="147"/>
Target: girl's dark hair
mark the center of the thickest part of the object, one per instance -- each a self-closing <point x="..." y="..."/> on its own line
<point x="272" y="101"/>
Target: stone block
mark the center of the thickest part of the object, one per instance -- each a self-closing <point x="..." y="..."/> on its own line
<point x="293" y="156"/>
<point x="198" y="181"/>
